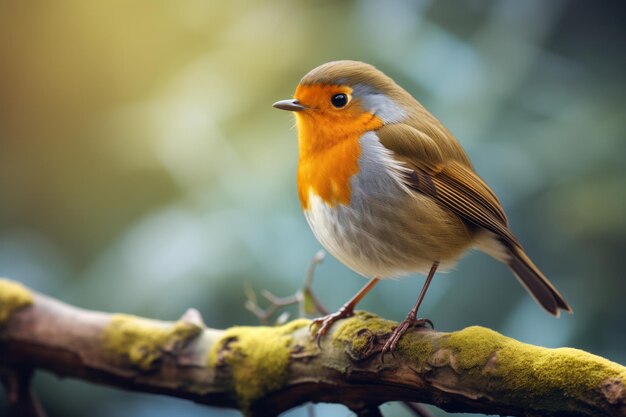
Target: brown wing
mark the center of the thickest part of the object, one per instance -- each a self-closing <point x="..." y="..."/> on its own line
<point x="463" y="192"/>
<point x="452" y="183"/>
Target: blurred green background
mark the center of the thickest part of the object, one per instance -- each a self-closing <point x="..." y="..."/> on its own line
<point x="143" y="169"/>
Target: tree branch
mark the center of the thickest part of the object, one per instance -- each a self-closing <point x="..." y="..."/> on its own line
<point x="267" y="370"/>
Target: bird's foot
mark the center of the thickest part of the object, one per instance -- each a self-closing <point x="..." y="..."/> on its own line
<point x="400" y="330"/>
<point x="325" y="322"/>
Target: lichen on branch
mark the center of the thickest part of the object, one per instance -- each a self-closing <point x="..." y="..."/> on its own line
<point x="142" y="342"/>
<point x="13" y="296"/>
<point x="523" y="372"/>
<point x="480" y="363"/>
<point x="254" y="360"/>
<point x="267" y="370"/>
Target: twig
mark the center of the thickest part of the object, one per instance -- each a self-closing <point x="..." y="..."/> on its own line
<point x="308" y="304"/>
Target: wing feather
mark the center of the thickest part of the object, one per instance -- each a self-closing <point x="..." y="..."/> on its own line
<point x="452" y="183"/>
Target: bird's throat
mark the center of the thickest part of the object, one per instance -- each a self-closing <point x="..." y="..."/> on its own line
<point x="329" y="155"/>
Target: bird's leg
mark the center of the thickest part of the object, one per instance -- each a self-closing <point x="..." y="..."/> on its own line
<point x="347" y="310"/>
<point x="411" y="319"/>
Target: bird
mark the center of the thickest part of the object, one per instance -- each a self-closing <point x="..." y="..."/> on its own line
<point x="390" y="192"/>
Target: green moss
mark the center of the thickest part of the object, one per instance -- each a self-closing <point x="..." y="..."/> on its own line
<point x="360" y="332"/>
<point x="418" y="346"/>
<point x="362" y="320"/>
<point x="13" y="296"/>
<point x="536" y="372"/>
<point x="255" y="359"/>
<point x="530" y="372"/>
<point x="473" y="346"/>
<point x="142" y="342"/>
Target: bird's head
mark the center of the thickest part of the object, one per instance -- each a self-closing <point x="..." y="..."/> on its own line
<point x="344" y="98"/>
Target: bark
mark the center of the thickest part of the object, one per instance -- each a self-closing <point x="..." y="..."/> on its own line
<point x="267" y="370"/>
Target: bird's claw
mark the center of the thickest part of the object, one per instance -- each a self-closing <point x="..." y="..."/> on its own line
<point x="400" y="330"/>
<point x="327" y="321"/>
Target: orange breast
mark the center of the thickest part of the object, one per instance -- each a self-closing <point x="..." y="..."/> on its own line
<point x="329" y="152"/>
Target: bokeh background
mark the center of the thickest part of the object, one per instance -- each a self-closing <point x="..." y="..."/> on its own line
<point x="143" y="169"/>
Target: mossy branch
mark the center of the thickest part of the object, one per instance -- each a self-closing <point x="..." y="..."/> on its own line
<point x="267" y="370"/>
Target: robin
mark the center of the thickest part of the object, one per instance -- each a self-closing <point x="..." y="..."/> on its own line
<point x="389" y="191"/>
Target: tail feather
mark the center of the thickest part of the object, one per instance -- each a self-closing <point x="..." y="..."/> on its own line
<point x="536" y="283"/>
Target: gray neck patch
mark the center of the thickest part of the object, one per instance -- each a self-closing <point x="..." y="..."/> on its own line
<point x="378" y="103"/>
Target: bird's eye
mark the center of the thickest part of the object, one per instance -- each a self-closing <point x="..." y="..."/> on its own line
<point x="339" y="100"/>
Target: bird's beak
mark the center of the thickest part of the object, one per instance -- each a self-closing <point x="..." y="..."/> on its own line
<point x="291" y="105"/>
